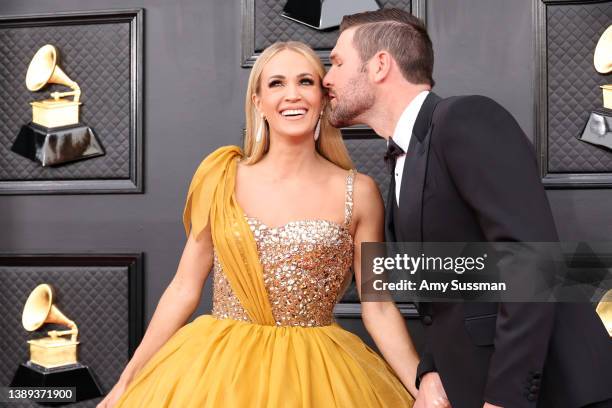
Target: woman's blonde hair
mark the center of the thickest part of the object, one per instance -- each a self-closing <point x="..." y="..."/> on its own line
<point x="329" y="145"/>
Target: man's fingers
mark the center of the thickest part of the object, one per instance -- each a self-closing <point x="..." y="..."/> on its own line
<point x="441" y="402"/>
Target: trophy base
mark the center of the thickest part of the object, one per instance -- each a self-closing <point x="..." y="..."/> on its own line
<point x="598" y="129"/>
<point x="325" y="14"/>
<point x="51" y="113"/>
<point x="53" y="146"/>
<point x="607" y="96"/>
<point x="75" y="375"/>
<point x="50" y="353"/>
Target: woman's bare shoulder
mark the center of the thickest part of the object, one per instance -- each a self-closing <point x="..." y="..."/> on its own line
<point x="366" y="185"/>
<point x="366" y="197"/>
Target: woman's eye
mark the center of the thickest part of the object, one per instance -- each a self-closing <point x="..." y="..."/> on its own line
<point x="275" y="83"/>
<point x="307" y="81"/>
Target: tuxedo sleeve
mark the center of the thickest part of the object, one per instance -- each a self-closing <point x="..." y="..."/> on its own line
<point x="493" y="166"/>
<point x="426" y="365"/>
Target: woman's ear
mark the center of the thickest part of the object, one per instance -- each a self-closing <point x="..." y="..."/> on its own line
<point x="256" y="102"/>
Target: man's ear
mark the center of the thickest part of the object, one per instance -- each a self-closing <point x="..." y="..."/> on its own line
<point x="380" y="66"/>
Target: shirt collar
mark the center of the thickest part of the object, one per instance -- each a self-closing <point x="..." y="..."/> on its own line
<point x="405" y="124"/>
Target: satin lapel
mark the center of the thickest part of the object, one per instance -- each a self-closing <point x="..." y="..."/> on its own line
<point x="415" y="171"/>
<point x="411" y="193"/>
<point x="390" y="235"/>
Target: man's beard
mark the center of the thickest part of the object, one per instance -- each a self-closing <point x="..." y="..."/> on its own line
<point x="357" y="100"/>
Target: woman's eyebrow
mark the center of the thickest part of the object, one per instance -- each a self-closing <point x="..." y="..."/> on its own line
<point x="278" y="76"/>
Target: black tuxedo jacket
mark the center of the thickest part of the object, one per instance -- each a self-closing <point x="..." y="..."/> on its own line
<point x="471" y="175"/>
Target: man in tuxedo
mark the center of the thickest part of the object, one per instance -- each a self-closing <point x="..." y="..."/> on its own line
<point x="463" y="171"/>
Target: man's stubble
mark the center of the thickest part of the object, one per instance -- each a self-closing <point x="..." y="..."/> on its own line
<point x="357" y="99"/>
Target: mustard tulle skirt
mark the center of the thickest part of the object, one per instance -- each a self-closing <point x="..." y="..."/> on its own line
<point x="227" y="363"/>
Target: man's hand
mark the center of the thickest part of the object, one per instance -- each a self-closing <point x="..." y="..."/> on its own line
<point x="431" y="393"/>
<point x="487" y="405"/>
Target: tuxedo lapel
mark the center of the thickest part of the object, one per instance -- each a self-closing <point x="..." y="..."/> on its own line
<point x="389" y="228"/>
<point x="411" y="192"/>
<point x="413" y="177"/>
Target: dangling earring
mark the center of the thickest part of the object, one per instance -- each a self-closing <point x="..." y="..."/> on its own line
<point x="260" y="129"/>
<point x="317" y="131"/>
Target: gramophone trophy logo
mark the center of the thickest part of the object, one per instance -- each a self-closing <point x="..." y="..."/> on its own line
<point x="325" y="14"/>
<point x="55" y="135"/>
<point x="604" y="310"/>
<point x="53" y="359"/>
<point x="598" y="130"/>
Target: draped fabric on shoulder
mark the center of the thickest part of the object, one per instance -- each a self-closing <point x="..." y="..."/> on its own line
<point x="211" y="199"/>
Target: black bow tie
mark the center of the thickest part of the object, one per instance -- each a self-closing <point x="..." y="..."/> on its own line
<point x="391" y="155"/>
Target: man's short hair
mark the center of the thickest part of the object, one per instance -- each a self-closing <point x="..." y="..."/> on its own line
<point x="401" y="34"/>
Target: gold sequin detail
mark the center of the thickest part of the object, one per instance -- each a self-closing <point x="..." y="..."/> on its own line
<point x="225" y="303"/>
<point x="306" y="268"/>
<point x="348" y="206"/>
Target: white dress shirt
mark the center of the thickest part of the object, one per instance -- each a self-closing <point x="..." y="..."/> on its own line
<point x="402" y="135"/>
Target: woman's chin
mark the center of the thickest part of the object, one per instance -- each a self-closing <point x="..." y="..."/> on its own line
<point x="295" y="133"/>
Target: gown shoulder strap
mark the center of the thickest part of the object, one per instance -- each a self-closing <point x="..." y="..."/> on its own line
<point x="348" y="200"/>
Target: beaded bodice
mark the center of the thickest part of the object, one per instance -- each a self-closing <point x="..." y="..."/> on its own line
<point x="306" y="268"/>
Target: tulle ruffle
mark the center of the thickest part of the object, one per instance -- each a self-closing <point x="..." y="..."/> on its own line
<point x="227" y="363"/>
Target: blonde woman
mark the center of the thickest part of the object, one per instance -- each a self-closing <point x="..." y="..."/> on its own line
<point x="280" y="224"/>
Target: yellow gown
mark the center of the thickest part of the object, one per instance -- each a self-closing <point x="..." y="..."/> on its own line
<point x="271" y="340"/>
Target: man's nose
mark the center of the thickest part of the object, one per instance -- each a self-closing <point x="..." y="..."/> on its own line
<point x="327" y="83"/>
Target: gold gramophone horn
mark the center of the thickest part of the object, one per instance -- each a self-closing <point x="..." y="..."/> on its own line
<point x="43" y="69"/>
<point x="602" y="57"/>
<point x="53" y="351"/>
<point x="39" y="309"/>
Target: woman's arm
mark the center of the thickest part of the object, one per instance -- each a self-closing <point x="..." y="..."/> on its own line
<point x="176" y="305"/>
<point x="382" y="319"/>
<point x="178" y="302"/>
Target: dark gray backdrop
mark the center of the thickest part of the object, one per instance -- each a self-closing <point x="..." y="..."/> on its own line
<point x="193" y="102"/>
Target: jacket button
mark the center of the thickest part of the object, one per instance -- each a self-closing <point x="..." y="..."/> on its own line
<point x="533" y="388"/>
<point x="531" y="397"/>
<point x="427" y="320"/>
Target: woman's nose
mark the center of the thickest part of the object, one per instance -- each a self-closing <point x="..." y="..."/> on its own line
<point x="293" y="93"/>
